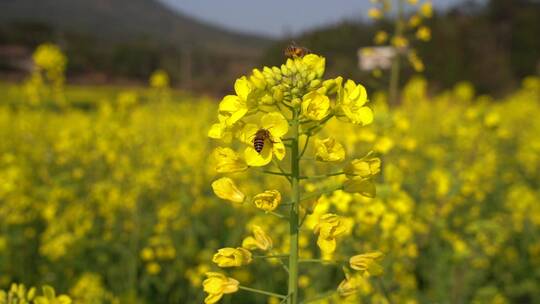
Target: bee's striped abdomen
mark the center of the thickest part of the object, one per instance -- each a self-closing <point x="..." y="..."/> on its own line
<point x="260" y="137"/>
<point x="258" y="144"/>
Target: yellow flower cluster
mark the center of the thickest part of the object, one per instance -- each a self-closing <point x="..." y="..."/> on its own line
<point x="108" y="203"/>
<point x="409" y="26"/>
<point x="272" y="111"/>
<point x="19" y="294"/>
<point x="47" y="79"/>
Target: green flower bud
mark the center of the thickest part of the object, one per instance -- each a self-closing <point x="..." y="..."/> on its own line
<point x="278" y="94"/>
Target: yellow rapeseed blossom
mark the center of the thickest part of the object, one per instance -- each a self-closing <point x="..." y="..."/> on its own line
<point x="233" y="107"/>
<point x="400" y="42"/>
<point x="367" y="263"/>
<point x="381" y="37"/>
<point x="226" y="189"/>
<point x="329" y="227"/>
<point x="49" y="57"/>
<point x="49" y="297"/>
<point x="268" y="200"/>
<point x="228" y="161"/>
<point x="232" y="257"/>
<point x="423" y="33"/>
<point x="353" y="284"/>
<point x="363" y="168"/>
<point x="416" y="62"/>
<point x="375" y="13"/>
<point x="216" y="285"/>
<point x="415" y="21"/>
<point x="259" y="240"/>
<point x="351" y="104"/>
<point x="315" y="106"/>
<point x="329" y="150"/>
<point x="147" y="254"/>
<point x="153" y="268"/>
<point x="159" y="79"/>
<point x="277" y="126"/>
<point x="426" y="10"/>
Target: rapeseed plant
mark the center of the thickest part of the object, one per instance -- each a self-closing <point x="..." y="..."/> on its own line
<point x="274" y="113"/>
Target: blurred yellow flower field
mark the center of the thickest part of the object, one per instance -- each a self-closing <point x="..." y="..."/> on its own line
<point x="110" y="197"/>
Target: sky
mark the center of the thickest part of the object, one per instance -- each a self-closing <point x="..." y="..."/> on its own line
<point x="277" y="18"/>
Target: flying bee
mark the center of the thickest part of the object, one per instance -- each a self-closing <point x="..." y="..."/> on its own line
<point x="258" y="140"/>
<point x="295" y="51"/>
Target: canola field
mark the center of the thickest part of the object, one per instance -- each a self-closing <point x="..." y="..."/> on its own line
<point x="110" y="197"/>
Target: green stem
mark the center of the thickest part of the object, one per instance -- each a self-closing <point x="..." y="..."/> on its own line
<point x="293" y="218"/>
<point x="264" y="292"/>
<point x="276" y="214"/>
<point x="322" y="175"/>
<point x="305" y="146"/>
<point x="283" y="264"/>
<point x="276" y="163"/>
<point x="276" y="256"/>
<point x="275" y="173"/>
<point x="318" y="261"/>
<point x="396" y="64"/>
<point x="322" y="122"/>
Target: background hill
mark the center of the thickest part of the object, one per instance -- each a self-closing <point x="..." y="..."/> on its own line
<point x="127" y="39"/>
<point x="121" y="19"/>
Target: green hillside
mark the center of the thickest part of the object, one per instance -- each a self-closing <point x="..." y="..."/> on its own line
<point x="124" y="19"/>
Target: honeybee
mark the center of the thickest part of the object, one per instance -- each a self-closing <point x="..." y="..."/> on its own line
<point x="295" y="51"/>
<point x="258" y="140"/>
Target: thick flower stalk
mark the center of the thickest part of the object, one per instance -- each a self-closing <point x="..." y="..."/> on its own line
<point x="268" y="123"/>
<point x="407" y="28"/>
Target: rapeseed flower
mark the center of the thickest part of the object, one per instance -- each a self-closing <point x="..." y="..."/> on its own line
<point x="232" y="257"/>
<point x="315" y="106"/>
<point x="228" y="161"/>
<point x="329" y="150"/>
<point x="363" y="168"/>
<point x="216" y="285"/>
<point x="268" y="200"/>
<point x="367" y="263"/>
<point x="259" y="240"/>
<point x="329" y="227"/>
<point x="351" y="101"/>
<point x="423" y="33"/>
<point x="233" y="107"/>
<point x="226" y="189"/>
<point x="277" y="126"/>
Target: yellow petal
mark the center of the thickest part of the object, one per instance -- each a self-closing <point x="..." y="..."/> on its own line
<point x="247" y="134"/>
<point x="231" y="286"/>
<point x="254" y="159"/>
<point x="213" y="298"/>
<point x="279" y="149"/>
<point x="233" y="107"/>
<point x="225" y="188"/>
<point x="250" y="243"/>
<point x="327" y="244"/>
<point x="217" y="131"/>
<point x="315" y="63"/>
<point x="364" y="187"/>
<point x="242" y="87"/>
<point x="275" y="123"/>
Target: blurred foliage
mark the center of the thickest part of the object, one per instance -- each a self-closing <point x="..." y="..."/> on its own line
<point x="492" y="45"/>
<point x="108" y="199"/>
